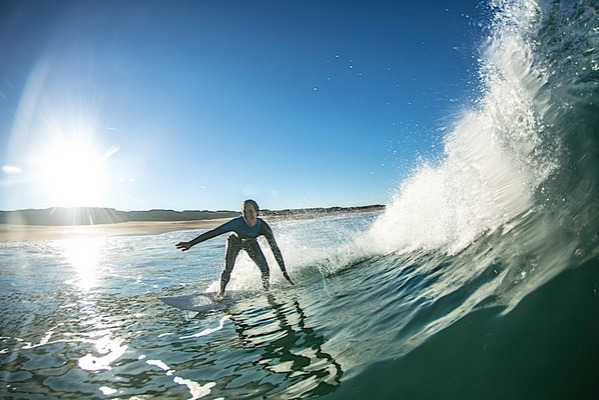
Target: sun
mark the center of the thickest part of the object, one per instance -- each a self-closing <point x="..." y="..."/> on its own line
<point x="74" y="174"/>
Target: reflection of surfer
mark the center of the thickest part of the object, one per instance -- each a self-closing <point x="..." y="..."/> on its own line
<point x="245" y="230"/>
<point x="288" y="346"/>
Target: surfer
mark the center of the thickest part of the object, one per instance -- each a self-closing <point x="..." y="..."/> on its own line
<point x="246" y="230"/>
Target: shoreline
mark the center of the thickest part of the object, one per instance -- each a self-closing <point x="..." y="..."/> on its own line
<point x="31" y="233"/>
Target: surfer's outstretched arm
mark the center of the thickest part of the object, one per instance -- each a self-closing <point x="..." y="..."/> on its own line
<point x="270" y="237"/>
<point x="203" y="237"/>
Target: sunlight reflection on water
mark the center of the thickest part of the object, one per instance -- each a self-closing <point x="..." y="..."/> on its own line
<point x="85" y="255"/>
<point x="196" y="390"/>
<point x="113" y="349"/>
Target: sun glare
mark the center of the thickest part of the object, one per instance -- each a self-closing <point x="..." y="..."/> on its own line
<point x="74" y="174"/>
<point x="84" y="255"/>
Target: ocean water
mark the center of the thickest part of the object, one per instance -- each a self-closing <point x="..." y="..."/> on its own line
<point x="479" y="280"/>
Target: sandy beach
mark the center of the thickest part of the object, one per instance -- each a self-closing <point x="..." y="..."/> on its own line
<point x="12" y="233"/>
<point x="21" y="233"/>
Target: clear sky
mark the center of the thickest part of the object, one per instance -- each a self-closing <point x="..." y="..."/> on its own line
<point x="200" y="104"/>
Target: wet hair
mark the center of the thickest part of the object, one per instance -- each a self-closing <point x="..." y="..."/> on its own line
<point x="251" y="203"/>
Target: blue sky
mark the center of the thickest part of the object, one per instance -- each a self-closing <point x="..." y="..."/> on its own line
<point x="200" y="104"/>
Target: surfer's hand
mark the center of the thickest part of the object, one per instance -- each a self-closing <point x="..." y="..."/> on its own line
<point x="184" y="246"/>
<point x="286" y="275"/>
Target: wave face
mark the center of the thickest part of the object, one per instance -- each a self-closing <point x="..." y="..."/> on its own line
<point x="510" y="207"/>
<point x="507" y="217"/>
<point x="519" y="172"/>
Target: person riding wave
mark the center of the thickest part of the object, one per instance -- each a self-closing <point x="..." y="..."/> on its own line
<point x="245" y="231"/>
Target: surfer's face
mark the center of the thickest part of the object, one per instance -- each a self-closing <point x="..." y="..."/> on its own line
<point x="250" y="215"/>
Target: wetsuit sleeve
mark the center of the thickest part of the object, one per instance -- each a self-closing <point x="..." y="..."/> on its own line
<point x="226" y="227"/>
<point x="270" y="237"/>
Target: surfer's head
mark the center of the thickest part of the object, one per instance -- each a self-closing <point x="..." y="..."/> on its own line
<point x="250" y="212"/>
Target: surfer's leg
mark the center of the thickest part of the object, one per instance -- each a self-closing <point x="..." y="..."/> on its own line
<point x="256" y="254"/>
<point x="233" y="248"/>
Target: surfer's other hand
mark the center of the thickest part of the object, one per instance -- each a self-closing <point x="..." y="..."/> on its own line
<point x="286" y="275"/>
<point x="184" y="246"/>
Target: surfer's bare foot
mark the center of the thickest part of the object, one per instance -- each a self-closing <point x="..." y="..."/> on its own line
<point x="220" y="297"/>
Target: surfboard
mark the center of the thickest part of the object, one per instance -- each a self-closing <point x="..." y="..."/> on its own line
<point x="203" y="301"/>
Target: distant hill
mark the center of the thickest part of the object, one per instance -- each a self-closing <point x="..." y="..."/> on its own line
<point x="98" y="216"/>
